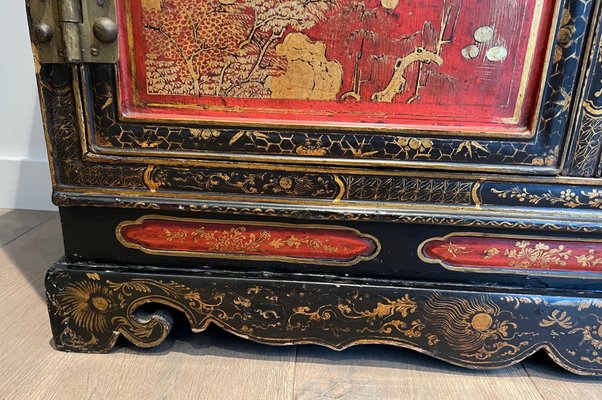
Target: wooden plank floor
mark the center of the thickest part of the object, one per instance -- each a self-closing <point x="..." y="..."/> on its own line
<point x="215" y="365"/>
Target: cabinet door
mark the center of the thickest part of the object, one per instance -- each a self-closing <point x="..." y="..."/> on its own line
<point x="469" y="85"/>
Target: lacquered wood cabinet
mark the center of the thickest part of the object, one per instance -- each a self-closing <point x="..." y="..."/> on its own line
<point x="421" y="173"/>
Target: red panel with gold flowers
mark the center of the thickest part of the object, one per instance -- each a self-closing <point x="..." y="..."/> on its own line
<point x="522" y="254"/>
<point x="186" y="237"/>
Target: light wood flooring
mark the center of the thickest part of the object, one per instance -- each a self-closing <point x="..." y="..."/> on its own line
<point x="215" y="365"/>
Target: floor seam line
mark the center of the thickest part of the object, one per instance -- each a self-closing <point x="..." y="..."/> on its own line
<point x="294" y="377"/>
<point x="541" y="396"/>
<point x="27" y="231"/>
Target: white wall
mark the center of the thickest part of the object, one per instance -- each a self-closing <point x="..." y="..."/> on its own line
<point x="24" y="174"/>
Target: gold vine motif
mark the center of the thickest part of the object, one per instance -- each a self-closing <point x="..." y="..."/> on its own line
<point x="567" y="197"/>
<point x="377" y="319"/>
<point x="237" y="239"/>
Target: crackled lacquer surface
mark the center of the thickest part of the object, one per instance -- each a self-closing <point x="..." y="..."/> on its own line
<point x="458" y="63"/>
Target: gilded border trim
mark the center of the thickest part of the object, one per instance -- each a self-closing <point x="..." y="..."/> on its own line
<point x="286" y="259"/>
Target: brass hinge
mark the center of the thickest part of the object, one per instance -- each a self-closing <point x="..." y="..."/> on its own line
<point x="73" y="31"/>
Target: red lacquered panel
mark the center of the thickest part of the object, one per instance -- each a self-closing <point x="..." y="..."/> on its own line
<point x="474" y="65"/>
<point x="524" y="254"/>
<point x="174" y="236"/>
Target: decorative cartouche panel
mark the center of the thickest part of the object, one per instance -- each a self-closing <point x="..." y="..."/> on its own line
<point x="245" y="240"/>
<point x="513" y="254"/>
<point x="465" y="64"/>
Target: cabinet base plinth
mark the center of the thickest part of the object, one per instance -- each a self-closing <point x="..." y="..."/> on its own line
<point x="91" y="304"/>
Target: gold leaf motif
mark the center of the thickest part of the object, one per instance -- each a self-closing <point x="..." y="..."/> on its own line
<point x="557" y="317"/>
<point x="565" y="34"/>
<point x="470" y="147"/>
<point x="150" y="181"/>
<point x="433" y="339"/>
<point x="490" y="253"/>
<point x="403" y="306"/>
<point x="236" y="137"/>
<point x="179" y="235"/>
<point x="93" y="276"/>
<point x="235" y="239"/>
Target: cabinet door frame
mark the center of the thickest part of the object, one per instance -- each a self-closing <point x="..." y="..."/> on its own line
<point x="109" y="136"/>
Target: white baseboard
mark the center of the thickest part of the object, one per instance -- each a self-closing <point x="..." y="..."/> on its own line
<point x="25" y="184"/>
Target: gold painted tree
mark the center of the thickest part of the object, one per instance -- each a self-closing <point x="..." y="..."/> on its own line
<point x="222" y="47"/>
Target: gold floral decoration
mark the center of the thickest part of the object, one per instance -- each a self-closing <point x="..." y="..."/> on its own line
<point x="564" y="38"/>
<point x="566" y="198"/>
<point x="540" y="255"/>
<point x="205" y="134"/>
<point x="237" y="239"/>
<point x="420" y="145"/>
<point x="589" y="260"/>
<point x="456" y="250"/>
<point x="88" y="303"/>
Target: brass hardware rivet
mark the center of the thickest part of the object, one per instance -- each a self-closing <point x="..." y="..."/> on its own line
<point x="42" y="33"/>
<point x="105" y="30"/>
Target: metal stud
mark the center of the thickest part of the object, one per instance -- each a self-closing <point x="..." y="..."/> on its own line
<point x="105" y="30"/>
<point x="42" y="33"/>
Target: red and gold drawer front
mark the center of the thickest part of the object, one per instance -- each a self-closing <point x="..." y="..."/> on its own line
<point x="246" y="240"/>
<point x="378" y="250"/>
<point x="528" y="255"/>
<point x="429" y="83"/>
<point x="334" y="246"/>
